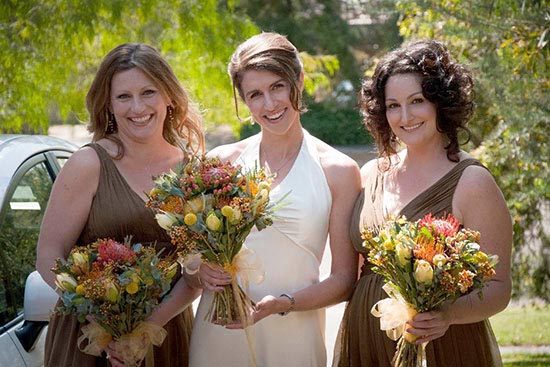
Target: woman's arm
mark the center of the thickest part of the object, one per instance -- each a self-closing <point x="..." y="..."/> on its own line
<point x="67" y="211"/>
<point x="479" y="205"/>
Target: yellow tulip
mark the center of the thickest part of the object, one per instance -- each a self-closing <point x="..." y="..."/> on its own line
<point x="227" y="211"/>
<point x="403" y="253"/>
<point x="66" y="282"/>
<point x="264" y="185"/>
<point x="423" y="272"/>
<point x="194" y="205"/>
<point x="111" y="292"/>
<point x="212" y="222"/>
<point x="439" y="260"/>
<point x="166" y="220"/>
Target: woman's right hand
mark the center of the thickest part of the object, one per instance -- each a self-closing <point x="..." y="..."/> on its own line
<point x="213" y="277"/>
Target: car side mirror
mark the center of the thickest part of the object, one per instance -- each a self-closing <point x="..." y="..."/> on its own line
<point x="40" y="298"/>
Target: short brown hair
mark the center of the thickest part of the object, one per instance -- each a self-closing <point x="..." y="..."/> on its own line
<point x="184" y="130"/>
<point x="445" y="83"/>
<point x="271" y="52"/>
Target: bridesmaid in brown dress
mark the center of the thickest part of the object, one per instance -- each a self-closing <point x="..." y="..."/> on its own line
<point x="143" y="125"/>
<point x="420" y="97"/>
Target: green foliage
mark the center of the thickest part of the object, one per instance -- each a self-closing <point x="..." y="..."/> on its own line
<point x="506" y="43"/>
<point x="312" y="26"/>
<point x="51" y="49"/>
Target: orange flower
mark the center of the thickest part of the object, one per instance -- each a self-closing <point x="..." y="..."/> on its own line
<point x="427" y="248"/>
<point x="172" y="204"/>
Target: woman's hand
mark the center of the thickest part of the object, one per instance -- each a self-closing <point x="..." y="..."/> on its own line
<point x="212" y="277"/>
<point x="428" y="326"/>
<point x="269" y="305"/>
<point x="114" y="359"/>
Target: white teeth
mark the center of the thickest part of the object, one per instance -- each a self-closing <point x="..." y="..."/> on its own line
<point x="274" y="117"/>
<point x="412" y="127"/>
<point x="141" y="119"/>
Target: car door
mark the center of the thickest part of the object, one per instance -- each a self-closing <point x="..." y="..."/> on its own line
<point x="20" y="218"/>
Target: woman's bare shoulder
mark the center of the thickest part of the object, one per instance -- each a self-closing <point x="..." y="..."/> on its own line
<point x="230" y="152"/>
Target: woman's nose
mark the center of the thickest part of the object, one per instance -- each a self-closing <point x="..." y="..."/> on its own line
<point x="269" y="101"/>
<point x="137" y="105"/>
<point x="405" y="114"/>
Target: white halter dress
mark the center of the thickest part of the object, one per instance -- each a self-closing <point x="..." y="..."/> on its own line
<point x="291" y="250"/>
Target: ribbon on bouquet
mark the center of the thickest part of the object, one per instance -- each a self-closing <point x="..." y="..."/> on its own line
<point x="246" y="267"/>
<point x="394" y="312"/>
<point x="131" y="348"/>
<point x="98" y="339"/>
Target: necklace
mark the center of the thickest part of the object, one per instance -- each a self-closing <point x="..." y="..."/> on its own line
<point x="285" y="162"/>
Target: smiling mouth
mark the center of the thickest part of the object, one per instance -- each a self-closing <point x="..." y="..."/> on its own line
<point x="141" y="119"/>
<point x="412" y="127"/>
<point x="276" y="116"/>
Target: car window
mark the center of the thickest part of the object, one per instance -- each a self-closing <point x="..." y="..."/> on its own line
<point x="62" y="160"/>
<point x="24" y="209"/>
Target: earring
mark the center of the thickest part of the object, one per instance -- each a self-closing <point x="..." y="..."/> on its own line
<point x="111" y="124"/>
<point x="170" y="111"/>
<point x="252" y="122"/>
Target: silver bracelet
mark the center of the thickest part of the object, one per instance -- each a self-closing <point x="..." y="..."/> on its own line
<point x="292" y="304"/>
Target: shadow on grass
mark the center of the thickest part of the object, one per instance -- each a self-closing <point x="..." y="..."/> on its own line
<point x="526" y="360"/>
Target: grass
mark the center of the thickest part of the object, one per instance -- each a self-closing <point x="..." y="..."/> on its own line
<point x="522" y="325"/>
<point x="526" y="360"/>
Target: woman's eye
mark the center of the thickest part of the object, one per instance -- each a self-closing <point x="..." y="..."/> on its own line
<point x="123" y="96"/>
<point x="278" y="85"/>
<point x="149" y="92"/>
<point x="418" y="100"/>
<point x="253" y="95"/>
<point x="392" y="105"/>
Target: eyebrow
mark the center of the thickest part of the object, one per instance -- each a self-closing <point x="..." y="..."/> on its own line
<point x="275" y="82"/>
<point x="409" y="96"/>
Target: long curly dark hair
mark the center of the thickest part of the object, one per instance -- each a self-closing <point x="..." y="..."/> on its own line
<point x="445" y="83"/>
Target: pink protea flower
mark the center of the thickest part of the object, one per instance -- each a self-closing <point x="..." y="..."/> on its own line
<point x="112" y="251"/>
<point x="446" y="226"/>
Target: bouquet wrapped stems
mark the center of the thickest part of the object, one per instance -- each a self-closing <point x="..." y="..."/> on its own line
<point x="230" y="305"/>
<point x="409" y="354"/>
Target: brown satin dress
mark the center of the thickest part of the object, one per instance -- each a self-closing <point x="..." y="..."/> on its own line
<point x="360" y="340"/>
<point x="117" y="211"/>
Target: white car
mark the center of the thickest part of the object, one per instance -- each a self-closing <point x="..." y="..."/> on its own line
<point x="28" y="167"/>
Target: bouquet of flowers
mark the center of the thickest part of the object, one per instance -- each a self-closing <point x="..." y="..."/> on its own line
<point x="115" y="286"/>
<point x="209" y="208"/>
<point x="424" y="263"/>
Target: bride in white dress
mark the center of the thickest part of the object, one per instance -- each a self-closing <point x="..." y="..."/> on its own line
<point x="289" y="317"/>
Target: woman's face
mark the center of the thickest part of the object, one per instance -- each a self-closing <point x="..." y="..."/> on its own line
<point x="267" y="96"/>
<point x="411" y="116"/>
<point x="138" y="105"/>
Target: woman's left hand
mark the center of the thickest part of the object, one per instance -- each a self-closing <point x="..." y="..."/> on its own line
<point x="269" y="305"/>
<point x="428" y="326"/>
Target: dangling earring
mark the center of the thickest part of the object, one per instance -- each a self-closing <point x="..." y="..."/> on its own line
<point x="170" y="111"/>
<point x="252" y="122"/>
<point x="111" y="124"/>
